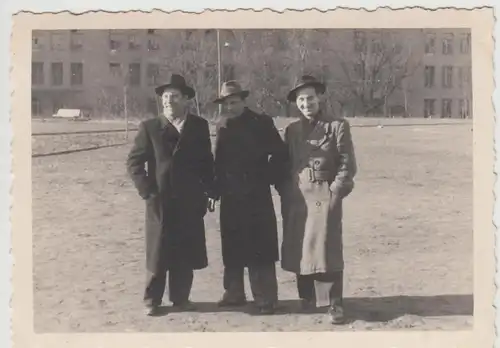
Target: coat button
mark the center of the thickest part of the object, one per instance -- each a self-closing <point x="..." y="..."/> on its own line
<point x="318" y="203"/>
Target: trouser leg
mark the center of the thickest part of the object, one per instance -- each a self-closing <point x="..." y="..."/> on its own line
<point x="180" y="282"/>
<point x="337" y="290"/>
<point x="328" y="288"/>
<point x="264" y="284"/>
<point x="155" y="288"/>
<point x="234" y="285"/>
<point x="305" y="287"/>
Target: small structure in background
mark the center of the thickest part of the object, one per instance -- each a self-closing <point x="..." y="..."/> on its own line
<point x="72" y="114"/>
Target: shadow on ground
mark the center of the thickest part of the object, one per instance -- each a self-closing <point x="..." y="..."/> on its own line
<point x="370" y="309"/>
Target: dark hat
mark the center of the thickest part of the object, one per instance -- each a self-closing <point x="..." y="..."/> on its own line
<point x="177" y="82"/>
<point x="229" y="89"/>
<point x="306" y="81"/>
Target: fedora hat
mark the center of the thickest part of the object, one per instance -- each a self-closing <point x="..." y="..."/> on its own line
<point x="177" y="82"/>
<point x="303" y="82"/>
<point x="229" y="89"/>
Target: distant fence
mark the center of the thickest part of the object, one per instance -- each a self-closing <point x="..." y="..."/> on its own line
<point x="67" y="130"/>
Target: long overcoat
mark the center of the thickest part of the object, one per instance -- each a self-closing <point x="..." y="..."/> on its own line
<point x="250" y="156"/>
<point x="323" y="166"/>
<point x="173" y="173"/>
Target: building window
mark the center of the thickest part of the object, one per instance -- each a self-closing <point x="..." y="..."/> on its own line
<point x="115" y="41"/>
<point x="36" y="106"/>
<point x="468" y="75"/>
<point x="37" y="76"/>
<point x="115" y="69"/>
<point x="430" y="72"/>
<point x="359" y="70"/>
<point x="56" y="73"/>
<point x="133" y="43"/>
<point x="134" y="74"/>
<point x="57" y="42"/>
<point x="465" y="43"/>
<point x="56" y="106"/>
<point x="464" y="76"/>
<point x="152" y="106"/>
<point x="429" y="107"/>
<point x="448" y="44"/>
<point x="36" y="42"/>
<point x="430" y="44"/>
<point x="153" y="74"/>
<point x="464" y="108"/>
<point x="153" y="44"/>
<point x="376" y="43"/>
<point x="210" y="72"/>
<point x="359" y="41"/>
<point x="76" y="74"/>
<point x="446" y="111"/>
<point x="228" y="72"/>
<point x="75" y="41"/>
<point x="447" y="76"/>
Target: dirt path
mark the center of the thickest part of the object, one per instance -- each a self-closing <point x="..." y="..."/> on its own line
<point x="408" y="242"/>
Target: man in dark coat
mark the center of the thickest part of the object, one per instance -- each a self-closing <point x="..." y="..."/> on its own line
<point x="249" y="157"/>
<point x="176" y="186"/>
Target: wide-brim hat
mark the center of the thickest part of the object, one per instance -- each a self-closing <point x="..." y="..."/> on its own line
<point x="177" y="82"/>
<point x="229" y="89"/>
<point x="303" y="82"/>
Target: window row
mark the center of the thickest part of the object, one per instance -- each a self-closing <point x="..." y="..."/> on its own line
<point x="56" y="74"/>
<point x="449" y="107"/>
<point x="464" y="75"/>
<point x="448" y="43"/>
<point x="116" y="41"/>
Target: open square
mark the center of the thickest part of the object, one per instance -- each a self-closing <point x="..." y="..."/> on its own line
<point x="407" y="238"/>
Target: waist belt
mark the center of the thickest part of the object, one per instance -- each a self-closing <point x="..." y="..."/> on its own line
<point x="319" y="175"/>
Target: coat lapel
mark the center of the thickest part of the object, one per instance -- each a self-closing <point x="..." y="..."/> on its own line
<point x="164" y="130"/>
<point x="183" y="134"/>
<point x="312" y="138"/>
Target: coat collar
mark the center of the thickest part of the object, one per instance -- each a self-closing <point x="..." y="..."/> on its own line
<point x="164" y="122"/>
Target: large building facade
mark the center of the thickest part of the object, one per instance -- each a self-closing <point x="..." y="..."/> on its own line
<point x="415" y="73"/>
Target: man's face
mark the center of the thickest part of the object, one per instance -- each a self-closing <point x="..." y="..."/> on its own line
<point x="173" y="101"/>
<point x="233" y="105"/>
<point x="308" y="102"/>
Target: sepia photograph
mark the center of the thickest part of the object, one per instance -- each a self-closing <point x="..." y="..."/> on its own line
<point x="401" y="98"/>
<point x="236" y="179"/>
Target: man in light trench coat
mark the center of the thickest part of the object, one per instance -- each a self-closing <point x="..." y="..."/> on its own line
<point x="323" y="167"/>
<point x="176" y="187"/>
<point x="249" y="157"/>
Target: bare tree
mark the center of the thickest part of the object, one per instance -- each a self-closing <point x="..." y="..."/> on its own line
<point x="373" y="70"/>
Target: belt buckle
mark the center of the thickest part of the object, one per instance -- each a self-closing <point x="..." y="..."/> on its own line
<point x="312" y="176"/>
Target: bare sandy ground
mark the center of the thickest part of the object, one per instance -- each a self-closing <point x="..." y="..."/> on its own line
<point x="408" y="241"/>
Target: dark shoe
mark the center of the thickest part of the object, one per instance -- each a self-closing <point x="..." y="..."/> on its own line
<point x="307" y="305"/>
<point x="267" y="310"/>
<point x="184" y="306"/>
<point x="336" y="314"/>
<point x="152" y="311"/>
<point x="227" y="301"/>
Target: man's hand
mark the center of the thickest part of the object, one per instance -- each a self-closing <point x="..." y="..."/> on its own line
<point x="211" y="205"/>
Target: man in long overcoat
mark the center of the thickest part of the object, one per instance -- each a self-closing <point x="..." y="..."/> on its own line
<point x="323" y="167"/>
<point x="250" y="156"/>
<point x="176" y="185"/>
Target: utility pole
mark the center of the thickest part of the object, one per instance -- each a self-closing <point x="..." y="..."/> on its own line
<point x="125" y="108"/>
<point x="219" y="69"/>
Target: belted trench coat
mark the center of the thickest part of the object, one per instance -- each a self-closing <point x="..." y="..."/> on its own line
<point x="175" y="184"/>
<point x="322" y="170"/>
